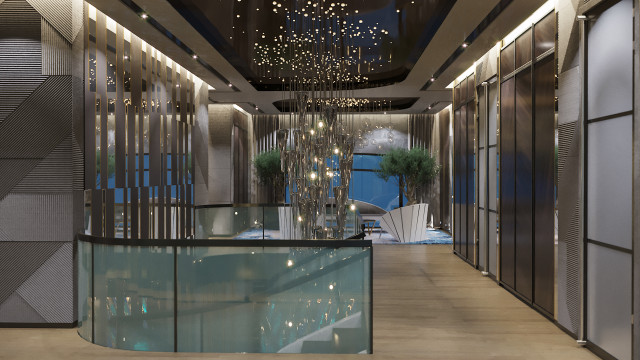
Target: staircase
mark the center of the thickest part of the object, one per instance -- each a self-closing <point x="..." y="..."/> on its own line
<point x="346" y="336"/>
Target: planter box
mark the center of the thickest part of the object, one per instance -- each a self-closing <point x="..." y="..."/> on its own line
<point x="407" y="224"/>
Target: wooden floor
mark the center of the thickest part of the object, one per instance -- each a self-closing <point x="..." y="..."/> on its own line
<point x="428" y="304"/>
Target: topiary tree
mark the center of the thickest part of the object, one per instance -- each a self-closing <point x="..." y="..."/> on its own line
<point x="267" y="165"/>
<point x="411" y="169"/>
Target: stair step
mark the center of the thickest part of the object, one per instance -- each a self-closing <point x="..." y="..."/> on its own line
<point x="349" y="340"/>
<point x="318" y="347"/>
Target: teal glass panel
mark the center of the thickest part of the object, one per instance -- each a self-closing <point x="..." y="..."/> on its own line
<point x="229" y="223"/>
<point x="84" y="291"/>
<point x="275" y="222"/>
<point x="269" y="300"/>
<point x="134" y="297"/>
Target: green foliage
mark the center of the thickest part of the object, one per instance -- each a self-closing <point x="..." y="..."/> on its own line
<point x="267" y="166"/>
<point x="411" y="168"/>
<point x="111" y="162"/>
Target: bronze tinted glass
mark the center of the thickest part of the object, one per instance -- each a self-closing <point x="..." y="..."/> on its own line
<point x="544" y="184"/>
<point x="457" y="182"/>
<point x="507" y="57"/>
<point x="463" y="181"/>
<point x="545" y="33"/>
<point x="470" y="179"/>
<point x="507" y="182"/>
<point x="523" y="49"/>
<point x="524" y="185"/>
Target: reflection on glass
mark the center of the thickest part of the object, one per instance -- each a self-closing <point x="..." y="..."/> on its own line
<point x="273" y="300"/>
<point x="128" y="279"/>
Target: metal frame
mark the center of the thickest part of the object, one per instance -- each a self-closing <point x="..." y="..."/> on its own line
<point x="585" y="122"/>
<point x="528" y="66"/>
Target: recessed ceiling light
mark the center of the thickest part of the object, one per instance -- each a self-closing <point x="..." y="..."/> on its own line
<point x="230" y="85"/>
<point x="433" y="79"/>
<point x="144" y="16"/>
<point x="464" y="44"/>
<point x="194" y="56"/>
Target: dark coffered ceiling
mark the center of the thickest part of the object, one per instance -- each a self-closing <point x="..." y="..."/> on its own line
<point x="392" y="34"/>
<point x="421" y="39"/>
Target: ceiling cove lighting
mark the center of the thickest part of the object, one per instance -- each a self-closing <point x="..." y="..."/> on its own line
<point x="537" y="15"/>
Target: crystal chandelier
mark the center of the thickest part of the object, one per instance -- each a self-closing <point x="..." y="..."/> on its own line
<point x="319" y="67"/>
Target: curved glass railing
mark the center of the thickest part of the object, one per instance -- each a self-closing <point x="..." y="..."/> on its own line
<point x="259" y="296"/>
<point x="252" y="221"/>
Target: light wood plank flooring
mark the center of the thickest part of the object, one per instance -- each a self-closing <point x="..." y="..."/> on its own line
<point x="428" y="304"/>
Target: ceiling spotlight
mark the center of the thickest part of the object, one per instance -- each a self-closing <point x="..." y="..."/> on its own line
<point x="126" y="57"/>
<point x="257" y="108"/>
<point x="464" y="45"/>
<point x="433" y="79"/>
<point x="230" y="85"/>
<point x="144" y="16"/>
<point x="194" y="56"/>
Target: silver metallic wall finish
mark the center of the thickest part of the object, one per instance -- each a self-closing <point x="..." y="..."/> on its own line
<point x="39" y="159"/>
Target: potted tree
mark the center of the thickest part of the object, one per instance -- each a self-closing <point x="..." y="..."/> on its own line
<point x="269" y="172"/>
<point x="412" y="169"/>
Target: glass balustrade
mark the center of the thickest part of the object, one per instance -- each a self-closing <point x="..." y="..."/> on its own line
<point x="260" y="222"/>
<point x="258" y="296"/>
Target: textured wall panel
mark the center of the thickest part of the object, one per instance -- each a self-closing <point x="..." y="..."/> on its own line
<point x="40" y="123"/>
<point x="16" y="89"/>
<point x="50" y="289"/>
<point x="18" y="260"/>
<point x="37" y="217"/>
<point x="13" y="170"/>
<point x="568" y="275"/>
<point x="38" y="154"/>
<point x="19" y="39"/>
<point x="52" y="174"/>
<point x="16" y="309"/>
<point x="56" y="52"/>
<point x="64" y="15"/>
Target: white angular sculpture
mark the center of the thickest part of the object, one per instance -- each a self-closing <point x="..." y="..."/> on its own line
<point x="407" y="224"/>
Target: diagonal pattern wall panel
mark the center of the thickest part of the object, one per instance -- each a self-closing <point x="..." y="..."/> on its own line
<point x="52" y="174"/>
<point x="59" y="14"/>
<point x="56" y="52"/>
<point x="16" y="89"/>
<point x="16" y="309"/>
<point x="40" y="123"/>
<point x="13" y="170"/>
<point x="50" y="287"/>
<point x="40" y="158"/>
<point x="51" y="214"/>
<point x="15" y="267"/>
<point x="19" y="39"/>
